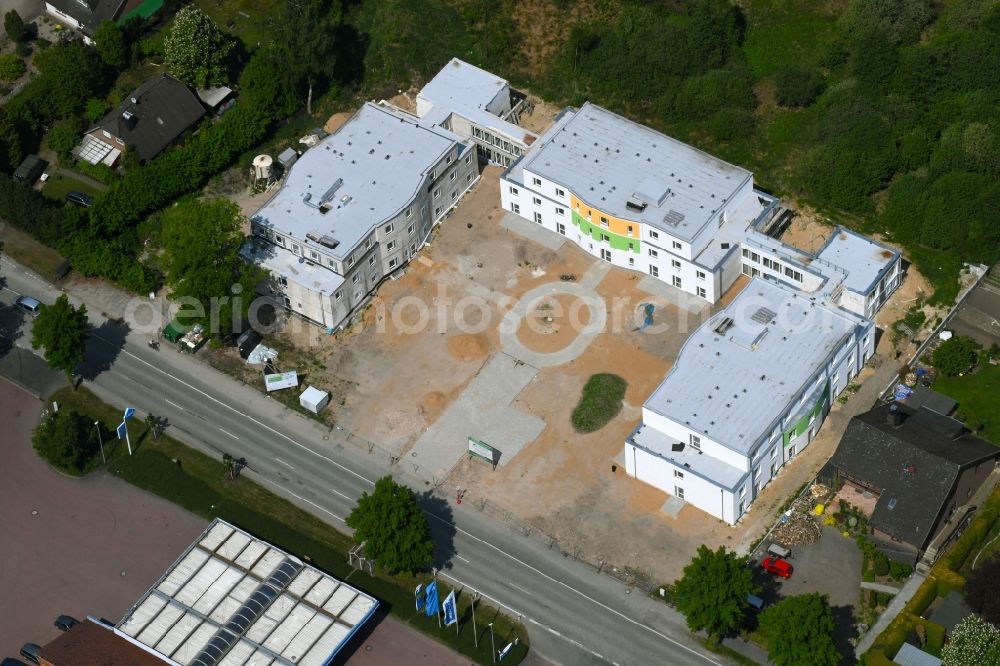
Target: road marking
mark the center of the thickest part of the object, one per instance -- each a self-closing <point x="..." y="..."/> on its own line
<point x="171" y="402"/>
<point x="228" y="433"/>
<point x="299" y="497"/>
<point x="284" y="463"/>
<point x="462" y="558"/>
<point x="436" y="517"/>
<point x="518" y="587"/>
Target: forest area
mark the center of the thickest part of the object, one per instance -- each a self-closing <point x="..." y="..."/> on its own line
<point x="881" y="114"/>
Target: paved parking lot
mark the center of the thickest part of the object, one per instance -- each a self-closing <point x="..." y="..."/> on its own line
<point x="831" y="566"/>
<point x="87" y="546"/>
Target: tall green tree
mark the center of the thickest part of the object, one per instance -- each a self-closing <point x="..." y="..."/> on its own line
<point x="63" y="331"/>
<point x="111" y="45"/>
<point x="393" y="528"/>
<point x="712" y="593"/>
<point x="195" y="49"/>
<point x="304" y="37"/>
<point x="973" y="642"/>
<point x="982" y="589"/>
<point x="800" y="630"/>
<point x="265" y="85"/>
<point x="14" y="26"/>
<point x="69" y="75"/>
<point x="67" y="439"/>
<point x="201" y="240"/>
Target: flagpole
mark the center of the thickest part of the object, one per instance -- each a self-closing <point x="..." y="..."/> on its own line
<point x="456" y="615"/>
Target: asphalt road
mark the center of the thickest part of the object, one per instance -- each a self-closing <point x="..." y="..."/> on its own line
<point x="574" y="615"/>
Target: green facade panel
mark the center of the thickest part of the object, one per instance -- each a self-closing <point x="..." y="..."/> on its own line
<point x="803" y="424"/>
<point x="616" y="241"/>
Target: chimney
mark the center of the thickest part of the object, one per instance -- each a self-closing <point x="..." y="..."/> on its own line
<point x="894" y="417"/>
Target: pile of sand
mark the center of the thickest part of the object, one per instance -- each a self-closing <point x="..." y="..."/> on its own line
<point x="336" y="121"/>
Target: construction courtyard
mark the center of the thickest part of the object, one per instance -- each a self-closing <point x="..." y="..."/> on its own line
<point x="491" y="332"/>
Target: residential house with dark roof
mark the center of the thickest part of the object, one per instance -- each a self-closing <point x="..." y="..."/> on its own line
<point x="922" y="465"/>
<point x="147" y="121"/>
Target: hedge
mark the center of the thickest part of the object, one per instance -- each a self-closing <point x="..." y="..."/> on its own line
<point x="935" y="637"/>
<point x="876" y="657"/>
<point x="923" y="597"/>
<point x="948" y="580"/>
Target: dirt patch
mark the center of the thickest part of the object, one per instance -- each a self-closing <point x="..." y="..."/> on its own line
<point x="468" y="346"/>
<point x="808" y="229"/>
<point x="336" y="121"/>
<point x="554" y="323"/>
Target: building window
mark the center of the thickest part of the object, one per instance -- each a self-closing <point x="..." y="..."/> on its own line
<point x="468" y="159"/>
<point x="679" y="492"/>
<point x="774" y="453"/>
<point x="337" y="294"/>
<point x="390" y="246"/>
<point x="393" y="262"/>
<point x="743" y="491"/>
<point x="370" y="243"/>
<point x="746" y="253"/>
<point x="350" y="261"/>
<point x="679" y="474"/>
<point x="371" y="260"/>
<point x="605" y="254"/>
<point x="631" y="230"/>
<point x="409" y="229"/>
<point x="561" y="228"/>
<point x="676" y="245"/>
<point x="676" y="281"/>
<point x="454" y="194"/>
<point x="774" y="468"/>
<point x="605" y="238"/>
<point x="701" y="292"/>
<point x="331" y="263"/>
<point x="356" y="278"/>
<point x="653" y="253"/>
<point x="513" y="190"/>
<point x="514" y="208"/>
<point x="696" y="442"/>
<point x="560" y="193"/>
<point x="560" y="211"/>
<point x="742" y="508"/>
<point x="296" y="249"/>
<point x="675" y="263"/>
<point x="631" y="261"/>
<point x="654" y="271"/>
<point x="756" y="472"/>
<point x="700" y="275"/>
<point x="653" y="234"/>
<point x="604" y="221"/>
<point x="437" y="192"/>
<point x="452" y="176"/>
<point x="314" y="255"/>
<point x="791" y="451"/>
<point x="388" y="228"/>
<point x="536" y="181"/>
<point x="538" y="218"/>
<point x="536" y="201"/>
<point x="437" y="211"/>
<point x="468" y="178"/>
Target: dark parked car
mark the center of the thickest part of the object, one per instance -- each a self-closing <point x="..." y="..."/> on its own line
<point x="30" y="652"/>
<point x="10" y="661"/>
<point x="247" y="341"/>
<point x="79" y="198"/>
<point x="66" y="622"/>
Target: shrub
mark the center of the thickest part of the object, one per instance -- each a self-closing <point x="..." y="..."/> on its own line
<point x="923" y="597"/>
<point x="63" y="137"/>
<point x="796" y="86"/>
<point x="11" y="67"/>
<point x="23" y="49"/>
<point x="935" y="637"/>
<point x="898" y="570"/>
<point x="955" y="356"/>
<point x="601" y="401"/>
<point x="67" y="440"/>
<point x="881" y="565"/>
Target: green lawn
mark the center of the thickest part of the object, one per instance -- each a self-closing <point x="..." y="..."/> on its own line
<point x="229" y="14"/>
<point x="601" y="401"/>
<point x="978" y="398"/>
<point x="58" y="185"/>
<point x="781" y="32"/>
<point x="198" y="482"/>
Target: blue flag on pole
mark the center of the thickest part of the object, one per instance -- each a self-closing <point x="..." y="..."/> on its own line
<point x="419" y="598"/>
<point x="450" y="610"/>
<point x="431" y="595"/>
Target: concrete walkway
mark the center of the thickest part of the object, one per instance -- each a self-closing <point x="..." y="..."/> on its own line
<point x="532" y="231"/>
<point x="895" y="606"/>
<point x="879" y="587"/>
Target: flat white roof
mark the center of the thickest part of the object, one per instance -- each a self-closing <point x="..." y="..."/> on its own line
<point x="608" y="160"/>
<point x="710" y="468"/>
<point x="732" y="386"/>
<point x="278" y="260"/>
<point x="350" y="182"/>
<point x="467" y="90"/>
<point x="236" y="600"/>
<point x="863" y="259"/>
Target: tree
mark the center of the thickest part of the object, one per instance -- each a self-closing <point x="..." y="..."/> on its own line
<point x="111" y="45"/>
<point x="63" y="331"/>
<point x="800" y="630"/>
<point x="796" y="86"/>
<point x="11" y="67"/>
<point x="264" y="84"/>
<point x="14" y="26"/>
<point x="982" y="589"/>
<point x="201" y="241"/>
<point x="713" y="591"/>
<point x="67" y="439"/>
<point x="95" y="109"/>
<point x="900" y="20"/>
<point x="155" y="425"/>
<point x="64" y="136"/>
<point x="303" y="35"/>
<point x="956" y="355"/>
<point x="195" y="49"/>
<point x="973" y="642"/>
<point x="393" y="528"/>
<point x="69" y="75"/>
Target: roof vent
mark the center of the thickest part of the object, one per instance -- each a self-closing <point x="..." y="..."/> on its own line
<point x="673" y="218"/>
<point x="724" y="325"/>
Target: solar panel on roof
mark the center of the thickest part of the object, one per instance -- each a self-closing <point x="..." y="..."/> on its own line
<point x="763" y="315"/>
<point x="673" y="218"/>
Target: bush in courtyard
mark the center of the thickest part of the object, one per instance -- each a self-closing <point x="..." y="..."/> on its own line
<point x="67" y="440"/>
<point x="955" y="356"/>
<point x="601" y="401"/>
<point x="11" y="67"/>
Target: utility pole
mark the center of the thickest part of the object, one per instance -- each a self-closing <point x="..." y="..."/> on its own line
<point x="475" y="632"/>
<point x="493" y="646"/>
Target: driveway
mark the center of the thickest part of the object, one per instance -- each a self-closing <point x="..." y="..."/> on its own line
<point x="87" y="546"/>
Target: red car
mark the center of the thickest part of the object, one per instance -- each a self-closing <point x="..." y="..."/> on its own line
<point x="777" y="567"/>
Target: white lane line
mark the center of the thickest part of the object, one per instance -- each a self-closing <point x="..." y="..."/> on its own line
<point x="372" y="483"/>
<point x="226" y="432"/>
<point x="346" y="497"/>
<point x="284" y="463"/>
<point x="462" y="558"/>
<point x="299" y="497"/>
<point x="171" y="402"/>
<point x="519" y="588"/>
